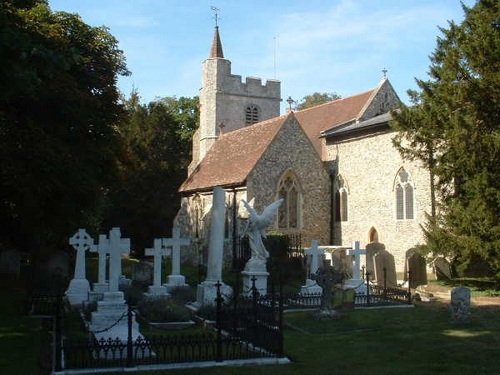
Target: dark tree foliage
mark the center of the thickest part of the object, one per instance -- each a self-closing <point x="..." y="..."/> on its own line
<point x="316" y="99"/>
<point x="453" y="128"/>
<point x="59" y="110"/>
<point x="158" y="138"/>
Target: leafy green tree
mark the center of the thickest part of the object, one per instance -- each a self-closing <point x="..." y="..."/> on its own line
<point x="59" y="110"/>
<point x="453" y="128"/>
<point x="158" y="138"/>
<point x="316" y="99"/>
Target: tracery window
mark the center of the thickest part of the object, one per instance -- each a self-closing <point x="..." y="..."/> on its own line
<point x="252" y="114"/>
<point x="404" y="191"/>
<point x="289" y="211"/>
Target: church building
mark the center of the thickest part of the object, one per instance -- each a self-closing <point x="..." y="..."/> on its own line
<point x="333" y="164"/>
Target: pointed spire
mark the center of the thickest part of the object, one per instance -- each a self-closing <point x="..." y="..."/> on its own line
<point x="216" y="51"/>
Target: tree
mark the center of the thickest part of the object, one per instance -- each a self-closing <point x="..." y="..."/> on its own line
<point x="453" y="128"/>
<point x="158" y="138"/>
<point x="59" y="110"/>
<point x="316" y="99"/>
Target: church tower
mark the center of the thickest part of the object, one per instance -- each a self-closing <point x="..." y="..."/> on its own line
<point x="227" y="103"/>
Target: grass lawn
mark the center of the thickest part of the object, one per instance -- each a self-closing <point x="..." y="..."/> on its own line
<point x="419" y="340"/>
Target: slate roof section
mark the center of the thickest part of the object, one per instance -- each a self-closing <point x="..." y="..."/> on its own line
<point x="317" y="119"/>
<point x="376" y="122"/>
<point x="216" y="50"/>
<point x="233" y="156"/>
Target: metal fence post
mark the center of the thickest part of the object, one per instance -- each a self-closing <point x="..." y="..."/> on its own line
<point x="385" y="283"/>
<point x="281" y="349"/>
<point x="130" y="346"/>
<point x="58" y="331"/>
<point x="367" y="288"/>
<point x="409" y="287"/>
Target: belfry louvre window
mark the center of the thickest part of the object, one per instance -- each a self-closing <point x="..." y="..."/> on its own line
<point x="252" y="114"/>
<point x="404" y="191"/>
<point x="289" y="211"/>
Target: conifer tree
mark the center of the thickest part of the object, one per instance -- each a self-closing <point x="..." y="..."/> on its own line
<point x="452" y="127"/>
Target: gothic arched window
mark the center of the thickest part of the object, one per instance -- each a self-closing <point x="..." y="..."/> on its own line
<point x="341" y="212"/>
<point x="404" y="189"/>
<point x="252" y="114"/>
<point x="289" y="211"/>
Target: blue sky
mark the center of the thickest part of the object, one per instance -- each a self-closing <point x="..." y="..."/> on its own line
<point x="309" y="45"/>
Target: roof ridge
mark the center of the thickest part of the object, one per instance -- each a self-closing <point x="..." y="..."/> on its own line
<point x="338" y="100"/>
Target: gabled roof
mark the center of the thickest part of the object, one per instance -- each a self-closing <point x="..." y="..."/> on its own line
<point x="374" y="123"/>
<point x="314" y="120"/>
<point x="233" y="156"/>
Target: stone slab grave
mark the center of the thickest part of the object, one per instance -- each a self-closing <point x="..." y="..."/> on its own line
<point x="385" y="269"/>
<point x="460" y="305"/>
<point x="10" y="263"/>
<point x="110" y="319"/>
<point x="371" y="250"/>
<point x="417" y="266"/>
<point x="143" y="273"/>
<point x="79" y="286"/>
<point x="175" y="279"/>
<point x="58" y="264"/>
<point x="442" y="269"/>
<point x="315" y="260"/>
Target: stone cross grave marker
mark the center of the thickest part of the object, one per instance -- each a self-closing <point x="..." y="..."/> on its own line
<point x="357" y="252"/>
<point x="176" y="242"/>
<point x="117" y="247"/>
<point x="315" y="252"/>
<point x="81" y="242"/>
<point x="102" y="248"/>
<point x="157" y="252"/>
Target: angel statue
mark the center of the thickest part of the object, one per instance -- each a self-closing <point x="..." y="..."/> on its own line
<point x="256" y="229"/>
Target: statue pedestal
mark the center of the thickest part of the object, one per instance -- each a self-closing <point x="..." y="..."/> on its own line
<point x="78" y="291"/>
<point x="206" y="293"/>
<point x="260" y="281"/>
<point x="311" y="287"/>
<point x="359" y="285"/>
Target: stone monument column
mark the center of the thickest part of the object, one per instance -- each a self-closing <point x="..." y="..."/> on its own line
<point x="79" y="286"/>
<point x="207" y="290"/>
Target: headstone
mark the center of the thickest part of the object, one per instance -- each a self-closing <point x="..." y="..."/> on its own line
<point x="117" y="247"/>
<point x="207" y="290"/>
<point x="158" y="252"/>
<point x="460" y="305"/>
<point x="385" y="269"/>
<point x="442" y="268"/>
<point x="417" y="268"/>
<point x="175" y="279"/>
<point x="315" y="254"/>
<point x="143" y="273"/>
<point x="102" y="249"/>
<point x="10" y="263"/>
<point x="58" y="264"/>
<point x="356" y="282"/>
<point x="371" y="249"/>
<point x="79" y="286"/>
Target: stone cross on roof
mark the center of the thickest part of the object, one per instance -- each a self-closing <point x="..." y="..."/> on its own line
<point x="158" y="252"/>
<point x="315" y="252"/>
<point x="82" y="242"/>
<point x="357" y="252"/>
<point x="176" y="242"/>
<point x="117" y="247"/>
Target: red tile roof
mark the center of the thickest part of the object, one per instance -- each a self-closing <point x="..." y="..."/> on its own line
<point x="314" y="120"/>
<point x="233" y="156"/>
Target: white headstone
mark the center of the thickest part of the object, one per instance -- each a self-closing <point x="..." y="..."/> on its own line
<point x="81" y="242"/>
<point x="79" y="286"/>
<point x="157" y="252"/>
<point x="356" y="252"/>
<point x="175" y="243"/>
<point x="117" y="247"/>
<point x="102" y="248"/>
<point x="315" y="252"/>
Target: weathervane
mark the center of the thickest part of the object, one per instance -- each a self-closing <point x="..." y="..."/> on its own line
<point x="216" y="15"/>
